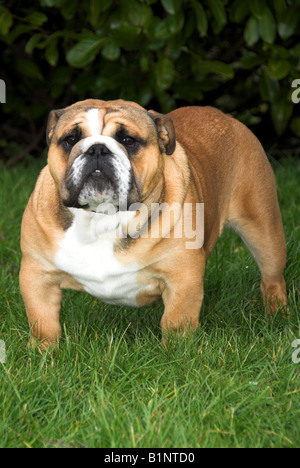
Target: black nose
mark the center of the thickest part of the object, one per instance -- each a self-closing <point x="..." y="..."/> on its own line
<point x="98" y="150"/>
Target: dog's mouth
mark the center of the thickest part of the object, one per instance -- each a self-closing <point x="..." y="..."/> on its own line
<point x="92" y="183"/>
<point x="96" y="173"/>
<point x="98" y="189"/>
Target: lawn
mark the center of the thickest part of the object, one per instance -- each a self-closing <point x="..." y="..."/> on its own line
<point x="113" y="384"/>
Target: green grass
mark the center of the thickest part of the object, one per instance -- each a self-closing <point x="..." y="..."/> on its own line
<point x="112" y="384"/>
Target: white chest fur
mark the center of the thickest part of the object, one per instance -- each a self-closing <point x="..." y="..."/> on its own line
<point x="87" y="253"/>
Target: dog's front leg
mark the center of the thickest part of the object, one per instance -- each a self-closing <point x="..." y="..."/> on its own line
<point x="182" y="310"/>
<point x="182" y="297"/>
<point x="42" y="298"/>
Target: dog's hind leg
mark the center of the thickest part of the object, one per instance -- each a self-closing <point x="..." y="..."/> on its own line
<point x="255" y="216"/>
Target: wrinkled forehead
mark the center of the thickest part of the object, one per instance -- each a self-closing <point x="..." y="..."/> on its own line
<point x="93" y="121"/>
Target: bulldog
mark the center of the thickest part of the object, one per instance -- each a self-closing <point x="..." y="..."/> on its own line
<point x="109" y="165"/>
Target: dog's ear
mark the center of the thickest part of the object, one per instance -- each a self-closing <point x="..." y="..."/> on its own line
<point x="165" y="130"/>
<point x="53" y="118"/>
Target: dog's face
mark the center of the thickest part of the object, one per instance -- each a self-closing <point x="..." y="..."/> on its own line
<point x="106" y="152"/>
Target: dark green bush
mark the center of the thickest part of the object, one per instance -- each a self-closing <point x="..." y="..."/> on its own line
<point x="237" y="55"/>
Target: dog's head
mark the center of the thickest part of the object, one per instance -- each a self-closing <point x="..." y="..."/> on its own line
<point x="106" y="152"/>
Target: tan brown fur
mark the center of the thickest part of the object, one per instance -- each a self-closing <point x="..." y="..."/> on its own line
<point x="217" y="161"/>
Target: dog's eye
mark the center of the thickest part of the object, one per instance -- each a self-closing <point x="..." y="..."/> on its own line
<point x="128" y="141"/>
<point x="71" y="141"/>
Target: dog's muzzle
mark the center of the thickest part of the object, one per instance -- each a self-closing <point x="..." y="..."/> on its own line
<point x="100" y="174"/>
